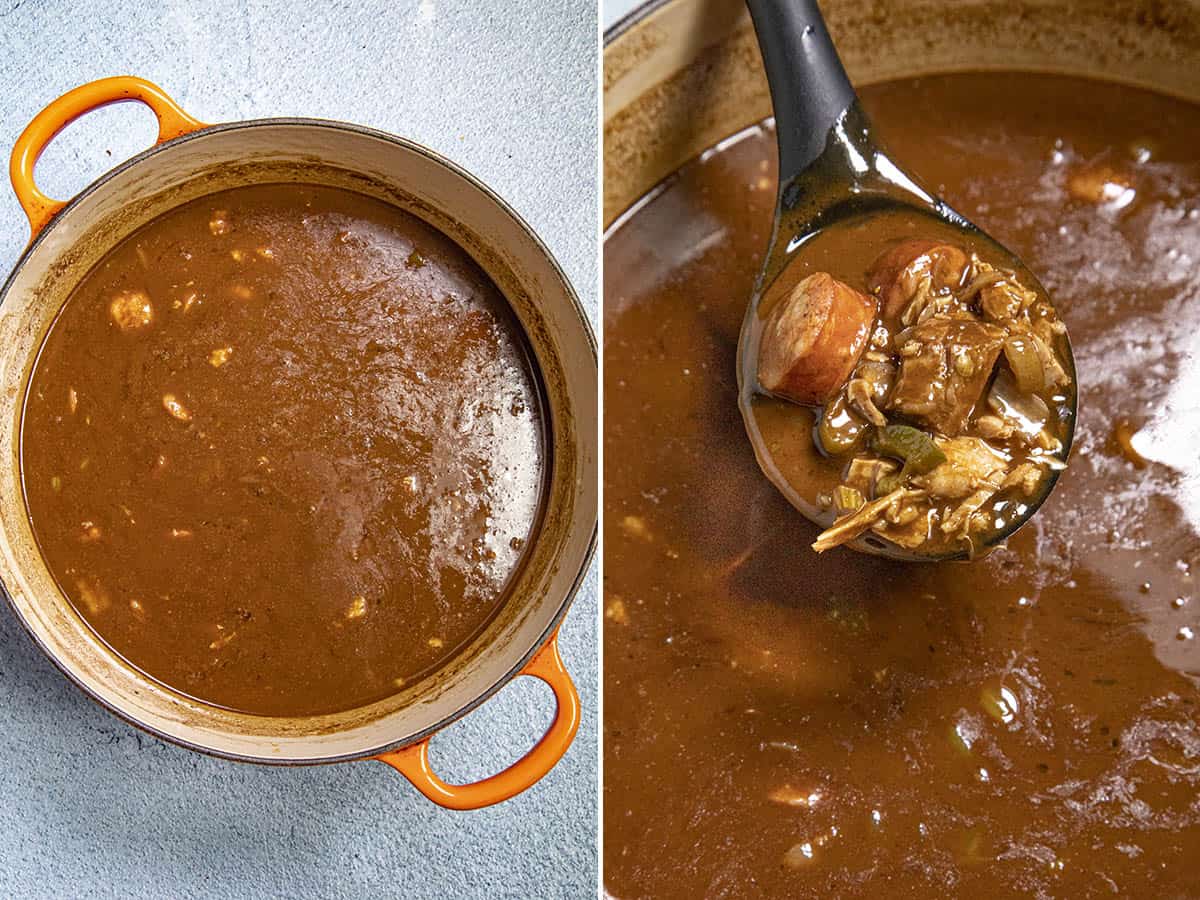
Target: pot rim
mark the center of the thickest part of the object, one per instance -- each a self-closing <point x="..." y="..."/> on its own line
<point x="632" y="18"/>
<point x="580" y="314"/>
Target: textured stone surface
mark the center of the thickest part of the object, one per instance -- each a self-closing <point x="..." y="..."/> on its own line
<point x="92" y="808"/>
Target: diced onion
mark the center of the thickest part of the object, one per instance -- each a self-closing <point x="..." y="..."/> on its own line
<point x="1027" y="411"/>
<point x="1026" y="364"/>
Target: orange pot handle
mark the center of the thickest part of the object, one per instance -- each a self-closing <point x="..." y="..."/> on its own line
<point x="413" y="761"/>
<point x="172" y="123"/>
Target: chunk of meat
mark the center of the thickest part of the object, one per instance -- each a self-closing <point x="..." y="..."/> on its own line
<point x="93" y="595"/>
<point x="813" y="338"/>
<point x="896" y="275"/>
<point x="994" y="427"/>
<point x="912" y="529"/>
<point x="1102" y="185"/>
<point x="131" y="310"/>
<point x="944" y="367"/>
<point x="865" y="474"/>
<point x="176" y="409"/>
<point x="962" y="518"/>
<point x="848" y="527"/>
<point x="1056" y="374"/>
<point x="1002" y="301"/>
<point x="1026" y="477"/>
<point x="971" y="465"/>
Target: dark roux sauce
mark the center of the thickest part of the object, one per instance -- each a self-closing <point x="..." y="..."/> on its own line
<point x="283" y="449"/>
<point x="782" y="724"/>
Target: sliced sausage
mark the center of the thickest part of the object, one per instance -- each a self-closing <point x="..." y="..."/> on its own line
<point x="897" y="273"/>
<point x="813" y="338"/>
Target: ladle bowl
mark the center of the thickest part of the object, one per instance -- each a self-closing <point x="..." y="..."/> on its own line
<point x="832" y="170"/>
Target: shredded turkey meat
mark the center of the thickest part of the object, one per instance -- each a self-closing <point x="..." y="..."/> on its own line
<point x="956" y="404"/>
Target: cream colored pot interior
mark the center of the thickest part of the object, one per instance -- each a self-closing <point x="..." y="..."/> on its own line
<point x="687" y="73"/>
<point x="326" y="153"/>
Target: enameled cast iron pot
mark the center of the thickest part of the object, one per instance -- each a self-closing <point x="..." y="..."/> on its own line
<point x="681" y="75"/>
<point x="192" y="159"/>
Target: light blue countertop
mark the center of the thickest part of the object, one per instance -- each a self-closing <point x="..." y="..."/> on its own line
<point x="89" y="807"/>
<point x="614" y="10"/>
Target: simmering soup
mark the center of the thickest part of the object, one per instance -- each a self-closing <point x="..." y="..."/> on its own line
<point x="782" y="723"/>
<point x="283" y="449"/>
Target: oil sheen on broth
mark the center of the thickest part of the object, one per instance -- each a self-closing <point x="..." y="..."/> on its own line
<point x="282" y="449"/>
<point x="783" y="723"/>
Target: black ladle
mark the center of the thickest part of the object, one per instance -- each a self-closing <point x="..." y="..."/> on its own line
<point x="831" y="169"/>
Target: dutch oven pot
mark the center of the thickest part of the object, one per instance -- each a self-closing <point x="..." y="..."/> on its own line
<point x="191" y="160"/>
<point x="682" y="75"/>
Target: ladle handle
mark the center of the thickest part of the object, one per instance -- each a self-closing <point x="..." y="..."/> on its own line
<point x="809" y="87"/>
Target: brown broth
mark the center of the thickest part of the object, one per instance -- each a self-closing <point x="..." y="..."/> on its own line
<point x="782" y="724"/>
<point x="305" y="473"/>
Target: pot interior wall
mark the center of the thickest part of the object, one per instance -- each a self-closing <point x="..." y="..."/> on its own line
<point x="688" y="74"/>
<point x="288" y="150"/>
